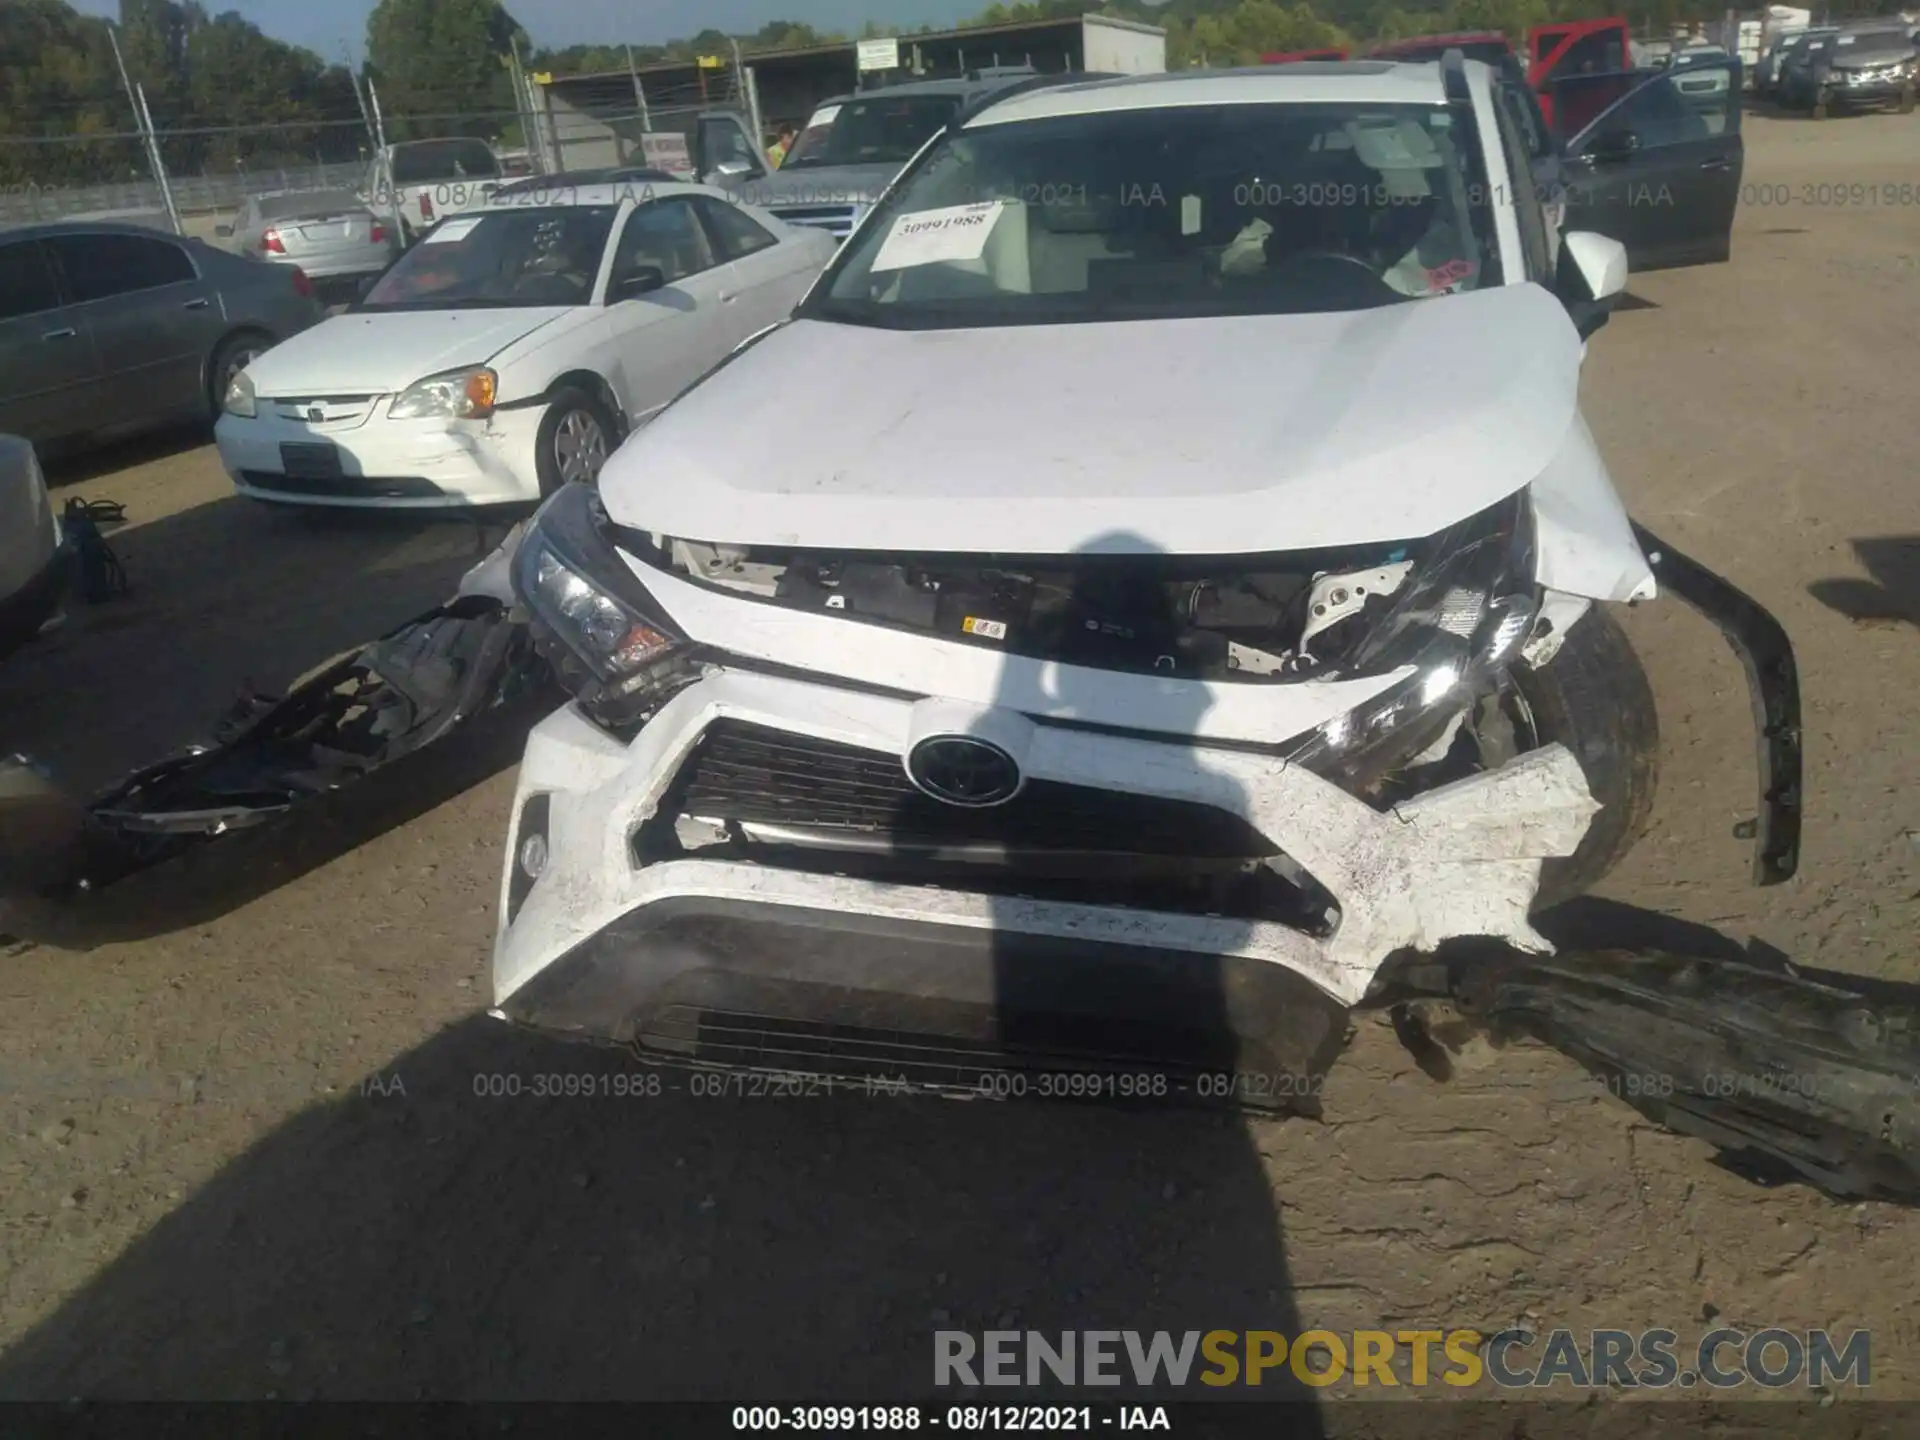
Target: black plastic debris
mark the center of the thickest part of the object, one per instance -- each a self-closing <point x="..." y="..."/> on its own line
<point x="102" y="576"/>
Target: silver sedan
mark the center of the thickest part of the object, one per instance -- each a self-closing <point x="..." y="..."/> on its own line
<point x="329" y="234"/>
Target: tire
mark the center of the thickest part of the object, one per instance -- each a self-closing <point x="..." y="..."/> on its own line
<point x="1906" y="101"/>
<point x="1593" y="697"/>
<point x="564" y="449"/>
<point x="236" y="352"/>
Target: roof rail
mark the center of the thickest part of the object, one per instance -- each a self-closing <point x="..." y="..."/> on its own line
<point x="965" y="116"/>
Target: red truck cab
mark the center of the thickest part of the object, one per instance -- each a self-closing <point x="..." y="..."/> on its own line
<point x="1555" y="54"/>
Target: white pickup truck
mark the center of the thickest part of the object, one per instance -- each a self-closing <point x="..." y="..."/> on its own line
<point x="421" y="182"/>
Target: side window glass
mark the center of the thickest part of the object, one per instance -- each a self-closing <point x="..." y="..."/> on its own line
<point x="26" y="281"/>
<point x="666" y="235"/>
<point x="1656" y="115"/>
<point x="100" y="266"/>
<point x="1596" y="54"/>
<point x="736" y="234"/>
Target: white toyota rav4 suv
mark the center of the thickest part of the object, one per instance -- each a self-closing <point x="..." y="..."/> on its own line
<point x="1164" y="593"/>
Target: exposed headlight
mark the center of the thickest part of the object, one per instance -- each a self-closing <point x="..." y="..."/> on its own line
<point x="239" y="399"/>
<point x="1463" y="616"/>
<point x="592" y="617"/>
<point x="457" y="395"/>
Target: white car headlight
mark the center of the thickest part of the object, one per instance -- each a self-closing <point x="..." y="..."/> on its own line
<point x="456" y="395"/>
<point x="239" y="397"/>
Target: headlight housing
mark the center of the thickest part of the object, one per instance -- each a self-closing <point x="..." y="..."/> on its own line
<point x="467" y="394"/>
<point x="1462" y="617"/>
<point x="239" y="399"/>
<point x="592" y="618"/>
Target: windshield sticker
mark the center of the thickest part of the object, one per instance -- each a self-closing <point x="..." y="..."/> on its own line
<point x="823" y="116"/>
<point x="986" y="629"/>
<point x="451" y="230"/>
<point x="928" y="237"/>
<point x="1189" y="214"/>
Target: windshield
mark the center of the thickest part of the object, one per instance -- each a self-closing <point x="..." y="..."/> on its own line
<point x="311" y="204"/>
<point x="545" y="256"/>
<point x="1205" y="210"/>
<point x="423" y="160"/>
<point x="1881" y="45"/>
<point x="876" y="130"/>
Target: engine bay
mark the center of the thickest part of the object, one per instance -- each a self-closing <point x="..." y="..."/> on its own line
<point x="1260" y="618"/>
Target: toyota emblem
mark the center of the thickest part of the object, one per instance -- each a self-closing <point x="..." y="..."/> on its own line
<point x="960" y="770"/>
<point x="316" y="414"/>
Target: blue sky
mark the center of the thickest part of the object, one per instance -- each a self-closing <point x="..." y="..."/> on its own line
<point x="328" y="27"/>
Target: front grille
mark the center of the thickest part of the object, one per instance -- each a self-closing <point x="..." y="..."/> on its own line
<point x="337" y="412"/>
<point x="755" y="775"/>
<point x="835" y="219"/>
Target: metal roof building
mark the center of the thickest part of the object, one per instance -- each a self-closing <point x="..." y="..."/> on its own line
<point x="597" y="119"/>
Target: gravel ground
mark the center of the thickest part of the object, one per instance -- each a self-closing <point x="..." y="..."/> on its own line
<point x="248" y="1158"/>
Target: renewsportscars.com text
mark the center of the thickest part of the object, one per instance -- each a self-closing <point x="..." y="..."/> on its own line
<point x="1720" y="1359"/>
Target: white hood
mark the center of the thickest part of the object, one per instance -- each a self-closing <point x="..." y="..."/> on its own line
<point x="1200" y="436"/>
<point x="381" y="353"/>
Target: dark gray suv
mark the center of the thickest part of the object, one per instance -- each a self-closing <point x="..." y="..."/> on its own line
<point x="107" y="329"/>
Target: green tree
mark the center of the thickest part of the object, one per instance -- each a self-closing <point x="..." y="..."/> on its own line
<point x="441" y="66"/>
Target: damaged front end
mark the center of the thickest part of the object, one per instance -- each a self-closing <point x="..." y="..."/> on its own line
<point x="283" y="784"/>
<point x="831" y="798"/>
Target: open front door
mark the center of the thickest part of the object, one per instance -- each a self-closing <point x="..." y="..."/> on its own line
<point x="1659" y="169"/>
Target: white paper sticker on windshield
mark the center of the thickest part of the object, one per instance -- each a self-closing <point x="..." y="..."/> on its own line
<point x="823" y="116"/>
<point x="1189" y="214"/>
<point x="451" y="230"/>
<point x="927" y="237"/>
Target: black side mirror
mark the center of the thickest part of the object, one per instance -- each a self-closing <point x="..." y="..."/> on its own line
<point x="641" y="280"/>
<point x="1613" y="146"/>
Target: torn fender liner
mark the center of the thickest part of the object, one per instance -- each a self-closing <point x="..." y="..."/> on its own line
<point x="1789" y="1075"/>
<point x="1773" y="681"/>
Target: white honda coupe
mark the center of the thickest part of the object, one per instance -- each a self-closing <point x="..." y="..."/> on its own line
<point x="512" y="350"/>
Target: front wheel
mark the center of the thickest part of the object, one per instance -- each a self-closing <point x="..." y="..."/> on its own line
<point x="576" y="436"/>
<point x="1594" y="698"/>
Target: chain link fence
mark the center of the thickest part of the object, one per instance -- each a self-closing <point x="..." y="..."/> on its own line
<point x="72" y="172"/>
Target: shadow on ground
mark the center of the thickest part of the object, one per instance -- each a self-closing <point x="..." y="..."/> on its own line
<point x="77" y="466"/>
<point x="431" y="1241"/>
<point x="1892" y="593"/>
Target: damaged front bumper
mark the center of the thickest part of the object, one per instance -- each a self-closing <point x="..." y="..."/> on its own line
<point x="753" y="879"/>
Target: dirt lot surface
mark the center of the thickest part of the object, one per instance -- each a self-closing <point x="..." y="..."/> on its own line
<point x="248" y="1158"/>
